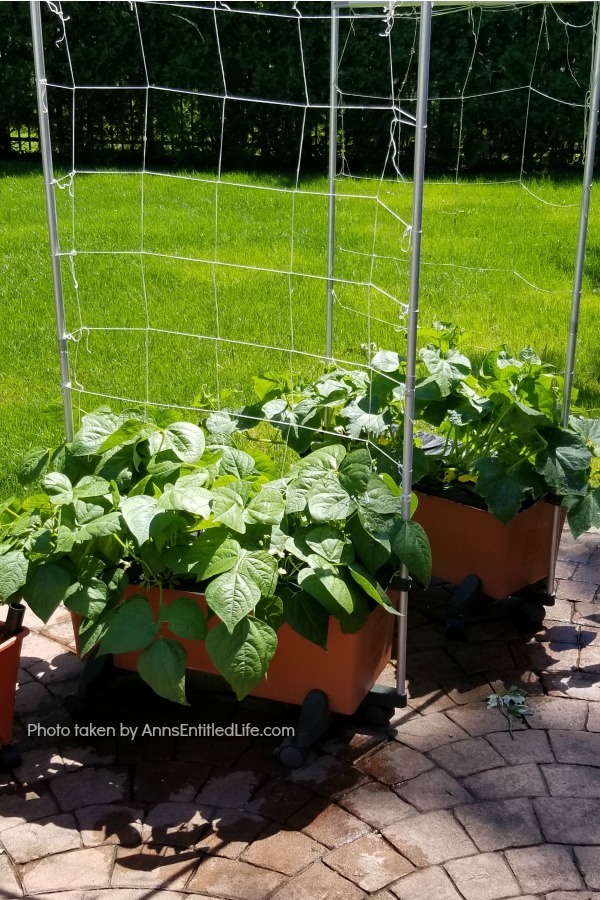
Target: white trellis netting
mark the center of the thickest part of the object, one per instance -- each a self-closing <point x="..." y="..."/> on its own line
<point x="198" y="280"/>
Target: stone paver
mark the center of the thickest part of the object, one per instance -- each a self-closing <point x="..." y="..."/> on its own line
<point x="376" y="805"/>
<point x="427" y="732"/>
<point x="477" y="720"/>
<point x="283" y="851"/>
<point x="318" y="882"/>
<point x="152" y="867"/>
<point x="565" y="822"/>
<point x="582" y="748"/>
<point x="369" y="862"/>
<point x="230" y="832"/>
<point x="467" y="757"/>
<point x="433" y="790"/>
<point x="25" y="805"/>
<point x="236" y="880"/>
<point x="395" y="763"/>
<point x="573" y="781"/>
<point x="588" y="860"/>
<point x="543" y="869"/>
<point x="233" y="789"/>
<point x="34" y="840"/>
<point x="329" y="824"/>
<point x="483" y="877"/>
<point x="523" y="747"/>
<point x="430" y="838"/>
<point x="511" y="781"/>
<point x="110" y="824"/>
<point x="427" y="883"/>
<point x="497" y="824"/>
<point x="90" y="787"/>
<point x="8" y="880"/>
<point x="89" y="868"/>
<point x="179" y="781"/>
<point x="558" y="713"/>
<point x="172" y="825"/>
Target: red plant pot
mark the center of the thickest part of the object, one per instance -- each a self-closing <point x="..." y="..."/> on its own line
<point x="10" y="652"/>
<point x="346" y="671"/>
<point x="469" y="541"/>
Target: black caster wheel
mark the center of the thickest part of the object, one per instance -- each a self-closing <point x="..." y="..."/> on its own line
<point x="10" y="758"/>
<point x="291" y="756"/>
<point x="76" y="706"/>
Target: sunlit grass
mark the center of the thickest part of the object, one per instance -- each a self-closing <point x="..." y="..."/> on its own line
<point x="496" y="260"/>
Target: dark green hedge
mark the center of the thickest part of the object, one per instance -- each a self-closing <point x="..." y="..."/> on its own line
<point x="261" y="59"/>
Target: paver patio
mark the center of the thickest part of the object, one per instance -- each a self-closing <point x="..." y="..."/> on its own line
<point x="452" y="803"/>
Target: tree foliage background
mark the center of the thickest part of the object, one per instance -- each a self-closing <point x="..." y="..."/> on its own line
<point x="262" y="57"/>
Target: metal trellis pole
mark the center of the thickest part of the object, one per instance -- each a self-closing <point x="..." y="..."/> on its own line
<point x="333" y="125"/>
<point x="46" y="149"/>
<point x="588" y="174"/>
<point x="413" y="314"/>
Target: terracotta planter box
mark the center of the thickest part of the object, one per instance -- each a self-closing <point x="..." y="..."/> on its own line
<point x="469" y="541"/>
<point x="346" y="672"/>
<point x="10" y="653"/>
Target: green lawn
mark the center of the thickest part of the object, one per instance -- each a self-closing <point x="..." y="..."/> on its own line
<point x="476" y="237"/>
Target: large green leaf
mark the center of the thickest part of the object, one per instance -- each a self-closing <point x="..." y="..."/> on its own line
<point x="329" y="588"/>
<point x="386" y="361"/>
<point x="211" y="553"/>
<point x="360" y="419"/>
<point x="88" y="598"/>
<point x="128" y="431"/>
<point x="587" y="428"/>
<point x="132" y="627"/>
<point x="45" y="589"/>
<point x="355" y="471"/>
<point x="162" y="666"/>
<point x="33" y="465"/>
<point x="242" y="656"/>
<point x="236" y="462"/>
<point x="328" y="501"/>
<point x="92" y="486"/>
<point x="227" y="508"/>
<point x="504" y="489"/>
<point x="447" y="370"/>
<point x="58" y="487"/>
<point x="307" y="617"/>
<point x="97" y="528"/>
<point x="186" y="440"/>
<point x="13" y="573"/>
<point x="371" y="587"/>
<point x="184" y="618"/>
<point x="412" y="548"/>
<point x="330" y="543"/>
<point x="186" y="495"/>
<point x="232" y="596"/>
<point x="138" y="513"/>
<point x="380" y="498"/>
<point x="266" y="508"/>
<point x="261" y="567"/>
<point x="584" y="512"/>
<point x="96" y="427"/>
<point x="565" y="462"/>
<point x="373" y="553"/>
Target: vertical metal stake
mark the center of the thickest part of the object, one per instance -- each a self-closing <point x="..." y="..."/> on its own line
<point x="333" y="126"/>
<point x="413" y="312"/>
<point x="46" y="148"/>
<point x="588" y="175"/>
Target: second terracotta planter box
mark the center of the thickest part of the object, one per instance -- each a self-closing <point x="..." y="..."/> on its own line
<point x="469" y="541"/>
